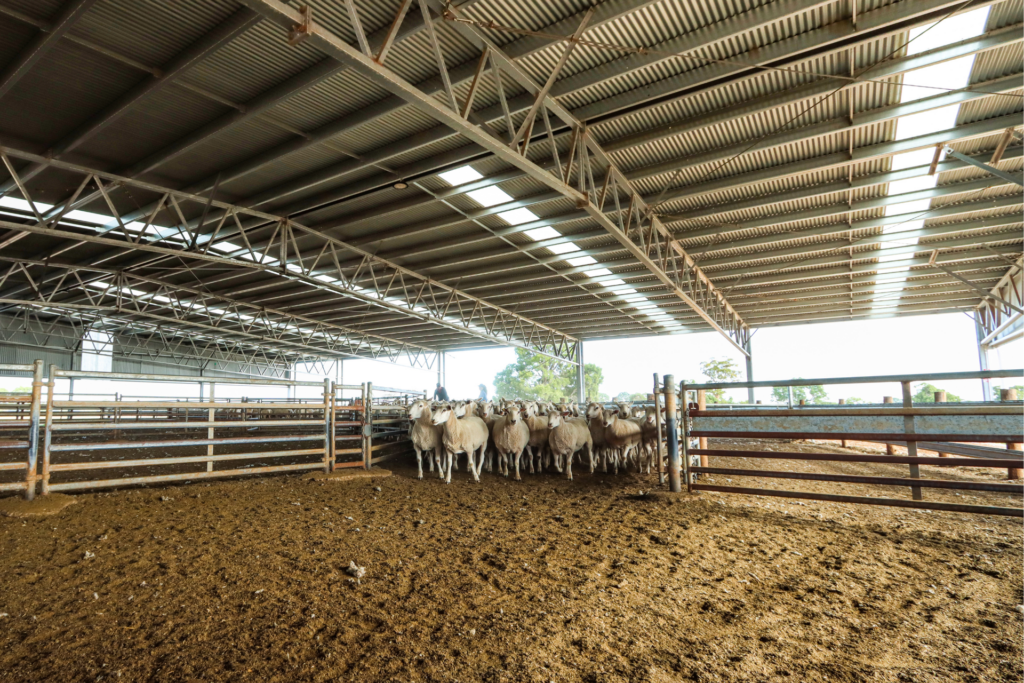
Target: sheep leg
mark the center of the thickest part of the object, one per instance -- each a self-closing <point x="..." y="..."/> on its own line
<point x="535" y="455"/>
<point x="568" y="466"/>
<point x="479" y="463"/>
<point x="430" y="460"/>
<point x="557" y="457"/>
<point x="516" y="458"/>
<point x="590" y="454"/>
<point x="449" y="457"/>
<point x="419" y="461"/>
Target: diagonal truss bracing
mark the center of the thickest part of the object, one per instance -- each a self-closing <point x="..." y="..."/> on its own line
<point x="294" y="252"/>
<point x="630" y="220"/>
<point x="125" y="294"/>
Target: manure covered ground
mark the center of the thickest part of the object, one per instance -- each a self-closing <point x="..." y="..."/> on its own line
<point x="539" y="580"/>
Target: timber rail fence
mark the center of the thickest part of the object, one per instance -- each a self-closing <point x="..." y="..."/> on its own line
<point x="54" y="442"/>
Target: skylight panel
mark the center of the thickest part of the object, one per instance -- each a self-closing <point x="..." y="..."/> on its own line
<point x="952" y="30"/>
<point x="518" y="216"/>
<point x="564" y="248"/>
<point x="920" y="157"/>
<point x="490" y="196"/>
<point x="923" y="182"/>
<point x="545" y="233"/>
<point x="582" y="261"/>
<point x="913" y="125"/>
<point x="908" y="207"/>
<point x="597" y="272"/>
<point x="461" y="175"/>
<point x="613" y="283"/>
<point x="923" y="82"/>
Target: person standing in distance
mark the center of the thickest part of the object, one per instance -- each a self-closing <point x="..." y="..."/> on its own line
<point x="483" y="392"/>
<point x="439" y="393"/>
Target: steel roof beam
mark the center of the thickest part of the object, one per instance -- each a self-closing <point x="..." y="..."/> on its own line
<point x="842" y="277"/>
<point x="286" y="17"/>
<point x="851" y="267"/>
<point x="804" y="194"/>
<point x="892" y="67"/>
<point x="802" y="257"/>
<point x="840" y="160"/>
<point x="790" y="48"/>
<point x="605" y="12"/>
<point x="125" y="289"/>
<point x="17" y="68"/>
<point x="833" y="127"/>
<point x="712" y="256"/>
<point x="864" y="312"/>
<point x="397" y="288"/>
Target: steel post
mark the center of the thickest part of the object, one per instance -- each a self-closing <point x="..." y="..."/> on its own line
<point x="674" y="483"/>
<point x="581" y="375"/>
<point x="368" y="426"/>
<point x="749" y="358"/>
<point x="33" y="430"/>
<point x="986" y="384"/>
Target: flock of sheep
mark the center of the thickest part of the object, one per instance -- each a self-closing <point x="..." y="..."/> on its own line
<point x="545" y="434"/>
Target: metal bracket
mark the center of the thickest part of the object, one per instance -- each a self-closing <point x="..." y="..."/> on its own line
<point x="1008" y="177"/>
<point x="299" y="32"/>
<point x="367" y="430"/>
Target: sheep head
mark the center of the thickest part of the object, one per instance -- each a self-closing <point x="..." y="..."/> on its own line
<point x="441" y="415"/>
<point x="555" y="420"/>
<point x="611" y="417"/>
<point x="418" y="408"/>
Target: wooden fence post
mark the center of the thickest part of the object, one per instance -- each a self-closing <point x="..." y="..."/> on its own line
<point x="889" y="450"/>
<point x="674" y="483"/>
<point x="842" y="442"/>
<point x="658" y="452"/>
<point x="47" y="429"/>
<point x="33" y="430"/>
<point x="1012" y="472"/>
<point x="908" y="427"/>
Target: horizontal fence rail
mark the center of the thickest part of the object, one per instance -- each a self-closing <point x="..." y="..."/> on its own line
<point x="946" y="428"/>
<point x="67" y="442"/>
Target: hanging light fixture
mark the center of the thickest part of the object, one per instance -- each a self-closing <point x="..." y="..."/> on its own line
<point x="400" y="185"/>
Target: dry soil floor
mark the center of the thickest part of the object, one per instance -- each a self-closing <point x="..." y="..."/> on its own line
<point x="539" y="580"/>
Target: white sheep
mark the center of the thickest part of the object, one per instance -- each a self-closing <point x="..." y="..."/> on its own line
<point x="511" y="437"/>
<point x="622" y="434"/>
<point x="425" y="435"/>
<point x="595" y="418"/>
<point x="462" y="434"/>
<point x="566" y="437"/>
<point x="538" y="425"/>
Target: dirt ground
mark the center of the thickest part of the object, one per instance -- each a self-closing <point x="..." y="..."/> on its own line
<point x="539" y="580"/>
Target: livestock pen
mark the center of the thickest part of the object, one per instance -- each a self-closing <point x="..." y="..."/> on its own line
<point x="93" y="441"/>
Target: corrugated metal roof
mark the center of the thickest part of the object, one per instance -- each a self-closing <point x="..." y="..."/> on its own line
<point x="762" y="154"/>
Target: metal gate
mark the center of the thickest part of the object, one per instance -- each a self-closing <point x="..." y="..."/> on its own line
<point x="941" y="427"/>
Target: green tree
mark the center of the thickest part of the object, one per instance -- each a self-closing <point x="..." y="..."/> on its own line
<point x="926" y="394"/>
<point x="626" y="396"/>
<point x="815" y="394"/>
<point x="534" y="376"/>
<point x="716" y="371"/>
<point x="854" y="400"/>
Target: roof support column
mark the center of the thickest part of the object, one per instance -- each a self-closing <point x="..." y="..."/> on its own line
<point x="750" y="371"/>
<point x="581" y="375"/>
<point x="986" y="385"/>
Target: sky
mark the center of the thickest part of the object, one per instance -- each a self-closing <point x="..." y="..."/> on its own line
<point x="888" y="346"/>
